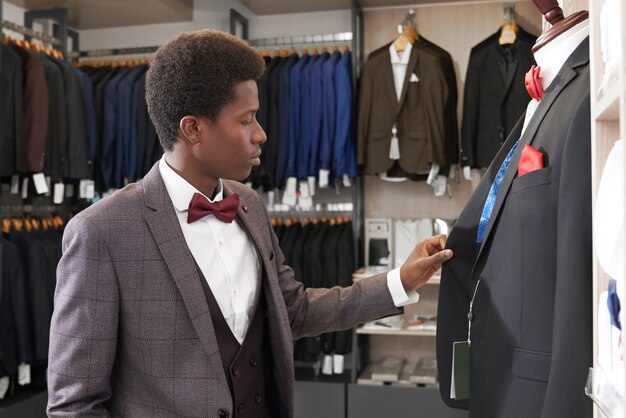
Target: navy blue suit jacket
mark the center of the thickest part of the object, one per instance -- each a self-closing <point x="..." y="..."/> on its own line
<point x="284" y="98"/>
<point x="316" y="111"/>
<point x="327" y="134"/>
<point x="343" y="153"/>
<point x="295" y="113"/>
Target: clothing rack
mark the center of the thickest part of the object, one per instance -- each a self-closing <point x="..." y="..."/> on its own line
<point x="30" y="32"/>
<point x="98" y="53"/>
<point x="341" y="208"/>
<point x="302" y="39"/>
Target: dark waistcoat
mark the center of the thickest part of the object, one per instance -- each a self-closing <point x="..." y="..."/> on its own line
<point x="246" y="365"/>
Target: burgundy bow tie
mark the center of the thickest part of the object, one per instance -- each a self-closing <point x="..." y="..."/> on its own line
<point x="224" y="210"/>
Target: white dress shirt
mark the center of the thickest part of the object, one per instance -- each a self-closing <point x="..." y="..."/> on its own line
<point x="228" y="259"/>
<point x="225" y="255"/>
<point x="399" y="64"/>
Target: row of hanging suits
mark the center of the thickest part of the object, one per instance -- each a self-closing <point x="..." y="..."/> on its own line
<point x="73" y="124"/>
<point x="43" y="123"/>
<point x="424" y="116"/>
<point x="126" y="143"/>
<point x="306" y="112"/>
<point x="321" y="255"/>
<point x="28" y="263"/>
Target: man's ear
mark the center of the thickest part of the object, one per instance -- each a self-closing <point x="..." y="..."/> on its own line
<point x="190" y="129"/>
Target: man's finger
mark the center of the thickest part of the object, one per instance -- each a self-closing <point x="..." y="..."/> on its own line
<point x="437" y="258"/>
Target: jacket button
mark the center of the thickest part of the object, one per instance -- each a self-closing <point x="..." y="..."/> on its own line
<point x="253" y="362"/>
<point x="257" y="399"/>
<point x="222" y="413"/>
<point x="235" y="370"/>
<point x="240" y="408"/>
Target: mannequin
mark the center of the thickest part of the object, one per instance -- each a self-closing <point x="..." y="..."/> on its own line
<point x="519" y="294"/>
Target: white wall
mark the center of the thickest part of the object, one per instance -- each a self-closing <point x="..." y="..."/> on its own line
<point x="214" y="14"/>
<point x="300" y="24"/>
<point x="12" y="13"/>
<point x="207" y="14"/>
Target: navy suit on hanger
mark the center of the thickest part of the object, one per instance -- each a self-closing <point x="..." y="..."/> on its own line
<point x="328" y="119"/>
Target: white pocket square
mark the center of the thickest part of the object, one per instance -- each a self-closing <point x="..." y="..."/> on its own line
<point x="414" y="78"/>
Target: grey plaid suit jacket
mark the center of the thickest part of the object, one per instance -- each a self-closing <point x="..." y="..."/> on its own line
<point x="131" y="332"/>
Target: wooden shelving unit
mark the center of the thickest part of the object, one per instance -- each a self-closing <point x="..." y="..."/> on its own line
<point x="608" y="124"/>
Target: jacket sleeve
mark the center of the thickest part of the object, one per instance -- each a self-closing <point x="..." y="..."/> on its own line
<point x="83" y="334"/>
<point x="313" y="311"/>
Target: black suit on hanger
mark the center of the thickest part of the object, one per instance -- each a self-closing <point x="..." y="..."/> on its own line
<point x="12" y="115"/>
<point x="15" y="340"/>
<point x="531" y="333"/>
<point x="56" y="142"/>
<point x="495" y="96"/>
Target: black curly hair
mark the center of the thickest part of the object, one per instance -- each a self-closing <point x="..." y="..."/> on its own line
<point x="195" y="74"/>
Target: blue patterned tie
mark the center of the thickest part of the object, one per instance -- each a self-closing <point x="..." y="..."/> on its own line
<point x="493" y="193"/>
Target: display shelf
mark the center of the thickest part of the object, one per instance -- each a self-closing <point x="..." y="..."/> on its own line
<point x="607" y="106"/>
<point x="396" y="332"/>
<point x="608" y="124"/>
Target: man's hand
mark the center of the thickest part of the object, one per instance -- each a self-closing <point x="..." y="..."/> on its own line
<point x="424" y="261"/>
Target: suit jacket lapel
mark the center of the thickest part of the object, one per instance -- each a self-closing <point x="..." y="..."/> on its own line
<point x="251" y="226"/>
<point x="565" y="76"/>
<point x="387" y="79"/>
<point x="163" y="223"/>
<point x="410" y="69"/>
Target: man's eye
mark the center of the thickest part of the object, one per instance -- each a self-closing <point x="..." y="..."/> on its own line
<point x="247" y="122"/>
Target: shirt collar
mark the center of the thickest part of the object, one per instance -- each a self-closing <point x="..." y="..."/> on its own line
<point x="180" y="190"/>
<point x="395" y="58"/>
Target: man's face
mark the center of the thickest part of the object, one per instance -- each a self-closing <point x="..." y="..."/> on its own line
<point x="231" y="145"/>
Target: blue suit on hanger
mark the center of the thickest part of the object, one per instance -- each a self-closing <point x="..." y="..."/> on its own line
<point x="284" y="97"/>
<point x="316" y="112"/>
<point x="327" y="137"/>
<point x="109" y="132"/>
<point x="124" y="125"/>
<point x="295" y="113"/>
<point x="344" y="149"/>
<point x="304" y="144"/>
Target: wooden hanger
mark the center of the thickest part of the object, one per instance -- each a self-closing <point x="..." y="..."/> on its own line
<point x="6" y="225"/>
<point x="276" y="52"/>
<point x="265" y="53"/>
<point x="17" y="224"/>
<point x="314" y="51"/>
<point x="554" y="15"/>
<point x="324" y="49"/>
<point x="509" y="29"/>
<point x="285" y="53"/>
<point x="408" y="36"/>
<point x="304" y="51"/>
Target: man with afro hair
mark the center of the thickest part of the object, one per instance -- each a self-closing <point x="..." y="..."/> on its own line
<point x="172" y="297"/>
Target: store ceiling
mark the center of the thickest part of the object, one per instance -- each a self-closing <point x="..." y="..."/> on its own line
<point x="93" y="14"/>
<point x="269" y="7"/>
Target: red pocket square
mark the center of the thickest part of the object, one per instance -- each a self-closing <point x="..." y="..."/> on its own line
<point x="530" y="160"/>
